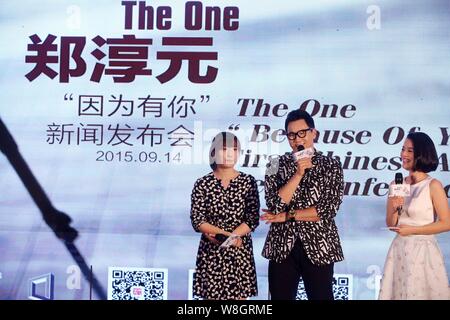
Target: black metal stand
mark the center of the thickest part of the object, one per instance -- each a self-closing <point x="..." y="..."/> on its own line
<point x="58" y="221"/>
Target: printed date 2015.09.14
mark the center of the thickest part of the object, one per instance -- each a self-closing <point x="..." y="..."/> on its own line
<point x="143" y="156"/>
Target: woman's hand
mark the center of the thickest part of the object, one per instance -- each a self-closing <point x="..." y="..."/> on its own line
<point x="269" y="217"/>
<point x="397" y="202"/>
<point x="237" y="242"/>
<point x="211" y="238"/>
<point x="404" y="230"/>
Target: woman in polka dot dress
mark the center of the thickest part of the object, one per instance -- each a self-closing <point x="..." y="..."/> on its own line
<point x="225" y="202"/>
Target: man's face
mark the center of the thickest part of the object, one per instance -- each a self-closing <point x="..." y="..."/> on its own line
<point x="300" y="134"/>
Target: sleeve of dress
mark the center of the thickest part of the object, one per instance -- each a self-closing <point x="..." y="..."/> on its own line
<point x="272" y="185"/>
<point x="252" y="205"/>
<point x="332" y="192"/>
<point x="198" y="209"/>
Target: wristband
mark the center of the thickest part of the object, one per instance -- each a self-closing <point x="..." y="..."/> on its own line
<point x="290" y="215"/>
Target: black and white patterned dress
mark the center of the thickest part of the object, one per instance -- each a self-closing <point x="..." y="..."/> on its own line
<point x="225" y="273"/>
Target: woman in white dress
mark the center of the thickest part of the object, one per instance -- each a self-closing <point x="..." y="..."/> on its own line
<point x="414" y="267"/>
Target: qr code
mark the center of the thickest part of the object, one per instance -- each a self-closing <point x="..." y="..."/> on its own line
<point x="191" y="295"/>
<point x="342" y="287"/>
<point x="125" y="283"/>
<point x="377" y="280"/>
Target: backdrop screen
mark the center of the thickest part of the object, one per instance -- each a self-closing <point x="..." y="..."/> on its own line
<point x="113" y="106"/>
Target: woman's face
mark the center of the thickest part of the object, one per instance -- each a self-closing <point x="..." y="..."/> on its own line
<point x="227" y="157"/>
<point x="407" y="155"/>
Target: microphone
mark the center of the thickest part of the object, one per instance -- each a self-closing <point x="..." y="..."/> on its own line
<point x="303" y="153"/>
<point x="399" y="180"/>
<point x="298" y="154"/>
<point x="220" y="237"/>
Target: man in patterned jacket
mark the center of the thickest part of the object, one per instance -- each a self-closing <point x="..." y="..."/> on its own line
<point x="303" y="198"/>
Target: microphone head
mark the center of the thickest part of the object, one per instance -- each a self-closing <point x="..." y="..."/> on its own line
<point x="300" y="148"/>
<point x="398" y="178"/>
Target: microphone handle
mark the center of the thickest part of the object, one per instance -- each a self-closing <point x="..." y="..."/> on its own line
<point x="220" y="237"/>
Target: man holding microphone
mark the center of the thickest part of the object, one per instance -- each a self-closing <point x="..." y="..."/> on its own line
<point x="303" y="194"/>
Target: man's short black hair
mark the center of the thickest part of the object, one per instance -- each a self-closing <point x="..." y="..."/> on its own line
<point x="425" y="155"/>
<point x="299" y="115"/>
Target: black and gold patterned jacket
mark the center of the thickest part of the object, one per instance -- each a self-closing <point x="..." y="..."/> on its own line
<point x="322" y="186"/>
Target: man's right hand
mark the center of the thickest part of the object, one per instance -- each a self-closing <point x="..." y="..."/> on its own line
<point x="302" y="165"/>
